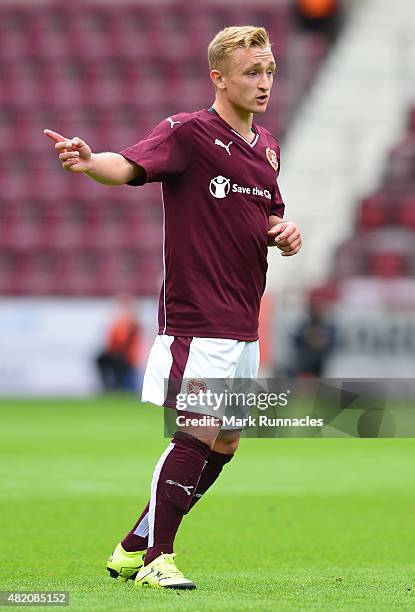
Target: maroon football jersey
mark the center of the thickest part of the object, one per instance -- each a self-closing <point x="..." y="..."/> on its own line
<point x="218" y="191"/>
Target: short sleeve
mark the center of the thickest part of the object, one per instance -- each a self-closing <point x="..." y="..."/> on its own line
<point x="277" y="204"/>
<point x="165" y="152"/>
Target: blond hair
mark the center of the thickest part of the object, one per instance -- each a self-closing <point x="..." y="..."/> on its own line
<point x="236" y="37"/>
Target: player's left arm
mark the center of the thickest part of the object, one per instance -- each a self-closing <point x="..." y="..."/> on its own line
<point x="285" y="235"/>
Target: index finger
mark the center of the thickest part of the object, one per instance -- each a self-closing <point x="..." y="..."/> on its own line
<point x="55" y="136"/>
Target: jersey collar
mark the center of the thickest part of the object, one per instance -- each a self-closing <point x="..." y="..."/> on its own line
<point x="251" y="144"/>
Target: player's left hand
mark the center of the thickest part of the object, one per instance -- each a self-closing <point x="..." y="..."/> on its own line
<point x="286" y="236"/>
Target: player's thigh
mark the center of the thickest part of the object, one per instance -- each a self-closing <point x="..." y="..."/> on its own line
<point x="246" y="371"/>
<point x="159" y="364"/>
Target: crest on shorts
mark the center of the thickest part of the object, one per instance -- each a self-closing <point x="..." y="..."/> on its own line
<point x="272" y="158"/>
<point x="196" y="386"/>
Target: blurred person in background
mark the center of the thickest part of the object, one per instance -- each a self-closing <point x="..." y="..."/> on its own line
<point x="313" y="342"/>
<point x="118" y="362"/>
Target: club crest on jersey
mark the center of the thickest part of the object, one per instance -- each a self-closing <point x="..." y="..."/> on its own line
<point x="272" y="158"/>
<point x="196" y="386"/>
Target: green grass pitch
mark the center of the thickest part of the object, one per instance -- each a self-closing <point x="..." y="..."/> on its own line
<point x="291" y="524"/>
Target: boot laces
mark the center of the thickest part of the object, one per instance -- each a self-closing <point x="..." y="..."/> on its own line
<point x="172" y="569"/>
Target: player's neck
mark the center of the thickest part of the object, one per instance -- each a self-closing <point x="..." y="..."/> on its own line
<point x="238" y="119"/>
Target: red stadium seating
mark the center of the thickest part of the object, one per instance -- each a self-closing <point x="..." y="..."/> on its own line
<point x="373" y="212"/>
<point x="406" y="212"/>
<point x="384" y="243"/>
<point x="108" y="73"/>
<point x="387" y="265"/>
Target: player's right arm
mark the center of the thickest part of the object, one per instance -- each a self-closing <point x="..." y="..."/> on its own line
<point x="107" y="168"/>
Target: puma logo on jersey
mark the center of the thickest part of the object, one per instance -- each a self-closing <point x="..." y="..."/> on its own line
<point x="224" y="146"/>
<point x="172" y="123"/>
<point x="177" y="484"/>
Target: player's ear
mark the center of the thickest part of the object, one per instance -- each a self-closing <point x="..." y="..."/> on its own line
<point x="217" y="79"/>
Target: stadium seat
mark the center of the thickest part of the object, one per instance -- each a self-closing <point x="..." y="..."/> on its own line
<point x="35" y="272"/>
<point x="373" y="212"/>
<point x="349" y="259"/>
<point x="13" y="46"/>
<point x="76" y="273"/>
<point x="8" y="268"/>
<point x="323" y="295"/>
<point x="387" y="265"/>
<point x="406" y="212"/>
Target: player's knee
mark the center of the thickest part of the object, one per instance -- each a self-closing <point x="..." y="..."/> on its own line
<point x="192" y="424"/>
<point x="227" y="444"/>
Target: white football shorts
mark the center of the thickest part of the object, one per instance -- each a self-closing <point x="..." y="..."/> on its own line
<point x="175" y="362"/>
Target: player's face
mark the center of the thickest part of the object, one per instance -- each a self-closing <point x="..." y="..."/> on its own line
<point x="249" y="77"/>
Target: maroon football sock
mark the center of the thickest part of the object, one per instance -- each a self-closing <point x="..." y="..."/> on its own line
<point x="175" y="480"/>
<point x="211" y="471"/>
<point x="137" y="538"/>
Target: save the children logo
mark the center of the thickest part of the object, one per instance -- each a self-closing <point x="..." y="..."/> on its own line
<point x="219" y="186"/>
